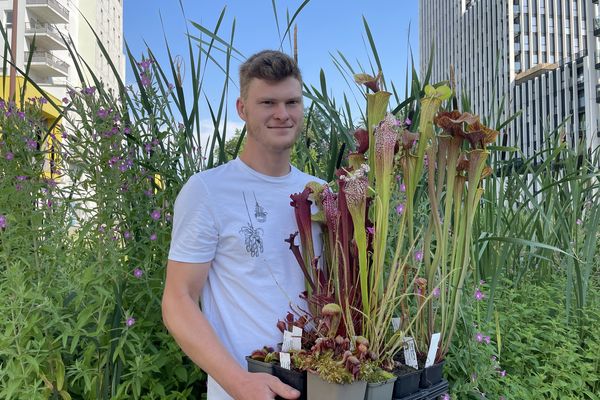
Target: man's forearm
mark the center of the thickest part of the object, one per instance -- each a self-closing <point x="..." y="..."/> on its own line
<point x="198" y="340"/>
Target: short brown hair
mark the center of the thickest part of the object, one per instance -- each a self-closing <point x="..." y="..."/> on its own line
<point x="268" y="65"/>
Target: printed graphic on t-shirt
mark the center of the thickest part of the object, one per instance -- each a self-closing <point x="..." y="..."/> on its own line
<point x="253" y="237"/>
<point x="259" y="212"/>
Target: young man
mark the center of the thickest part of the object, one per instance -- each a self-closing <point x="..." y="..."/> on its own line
<point x="228" y="245"/>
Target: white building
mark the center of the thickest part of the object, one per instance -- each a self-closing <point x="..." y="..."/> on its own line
<point x="51" y="64"/>
<point x="541" y="56"/>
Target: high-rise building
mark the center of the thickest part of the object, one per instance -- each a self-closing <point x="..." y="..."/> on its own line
<point x="541" y="56"/>
<point x="45" y="20"/>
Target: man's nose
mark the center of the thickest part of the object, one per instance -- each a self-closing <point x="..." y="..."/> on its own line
<point x="281" y="112"/>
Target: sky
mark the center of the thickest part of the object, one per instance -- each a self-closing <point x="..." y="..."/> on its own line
<point x="324" y="28"/>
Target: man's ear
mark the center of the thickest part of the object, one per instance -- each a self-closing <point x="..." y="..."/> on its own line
<point x="241" y="108"/>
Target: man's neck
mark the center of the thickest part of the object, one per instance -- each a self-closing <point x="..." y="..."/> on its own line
<point x="268" y="163"/>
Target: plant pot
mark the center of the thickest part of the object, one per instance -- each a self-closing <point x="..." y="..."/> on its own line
<point x="295" y="379"/>
<point x="318" y="389"/>
<point x="407" y="383"/>
<point x="431" y="375"/>
<point x="380" y="390"/>
<point x="435" y="391"/>
<point x="259" y="366"/>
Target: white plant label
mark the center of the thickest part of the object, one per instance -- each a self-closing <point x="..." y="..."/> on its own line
<point x="296" y="338"/>
<point x="287" y="341"/>
<point x="396" y="323"/>
<point x="410" y="354"/>
<point x="285" y="360"/>
<point x="433" y="348"/>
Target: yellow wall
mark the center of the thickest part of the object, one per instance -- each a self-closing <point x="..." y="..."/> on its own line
<point x="30" y="91"/>
<point x="48" y="111"/>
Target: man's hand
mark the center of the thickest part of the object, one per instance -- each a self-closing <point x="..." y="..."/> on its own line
<point x="261" y="386"/>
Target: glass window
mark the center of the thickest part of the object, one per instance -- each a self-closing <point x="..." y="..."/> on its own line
<point x="9" y="17"/>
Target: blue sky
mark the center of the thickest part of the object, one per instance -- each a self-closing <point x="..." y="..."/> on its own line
<point x="324" y="27"/>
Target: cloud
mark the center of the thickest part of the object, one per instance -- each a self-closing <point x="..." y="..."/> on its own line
<point x="207" y="129"/>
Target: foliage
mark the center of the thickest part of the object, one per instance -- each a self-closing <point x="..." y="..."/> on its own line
<point x="546" y="359"/>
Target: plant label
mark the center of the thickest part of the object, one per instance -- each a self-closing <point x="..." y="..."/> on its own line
<point x="433" y="348"/>
<point x="285" y="360"/>
<point x="296" y="338"/>
<point x="287" y="341"/>
<point x="410" y="354"/>
<point x="396" y="323"/>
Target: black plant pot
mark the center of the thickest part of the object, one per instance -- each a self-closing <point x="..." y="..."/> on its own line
<point x="259" y="366"/>
<point x="432" y="375"/>
<point x="295" y="379"/>
<point x="407" y="384"/>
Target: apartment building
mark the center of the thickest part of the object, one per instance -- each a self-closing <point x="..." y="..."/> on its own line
<point x="541" y="56"/>
<point x="45" y="20"/>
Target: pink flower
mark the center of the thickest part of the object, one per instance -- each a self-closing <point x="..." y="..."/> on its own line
<point x="127" y="235"/>
<point x="65" y="100"/>
<point x="399" y="208"/>
<point x="474" y="376"/>
<point x="445" y="396"/>
<point x="138" y="273"/>
<point x="436" y="292"/>
<point x="402" y="187"/>
<point x="130" y="321"/>
<point x="2" y="221"/>
<point x="32" y="144"/>
<point x="9" y="156"/>
<point x="419" y="255"/>
<point x="155" y="215"/>
<point x="408" y="122"/>
<point x="479" y="337"/>
<point x="479" y="295"/>
<point x="502" y="373"/>
<point x="578" y="222"/>
<point x="487" y="339"/>
<point x="371" y="230"/>
<point x="153" y="237"/>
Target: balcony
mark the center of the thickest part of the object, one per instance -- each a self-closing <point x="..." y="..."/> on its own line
<point x="596" y="26"/>
<point x="46" y="36"/>
<point x="44" y="63"/>
<point x="48" y="11"/>
<point x="534" y="72"/>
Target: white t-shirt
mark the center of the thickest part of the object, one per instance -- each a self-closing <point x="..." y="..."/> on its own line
<point x="238" y="219"/>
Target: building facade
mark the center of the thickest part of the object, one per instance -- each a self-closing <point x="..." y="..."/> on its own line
<point x="51" y="63"/>
<point x="537" y="57"/>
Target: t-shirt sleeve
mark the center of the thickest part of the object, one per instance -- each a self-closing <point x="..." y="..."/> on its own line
<point x="194" y="237"/>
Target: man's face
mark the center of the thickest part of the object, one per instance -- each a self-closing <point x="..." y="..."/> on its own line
<point x="273" y="113"/>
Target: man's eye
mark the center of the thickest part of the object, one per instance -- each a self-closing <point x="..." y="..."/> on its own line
<point x="267" y="102"/>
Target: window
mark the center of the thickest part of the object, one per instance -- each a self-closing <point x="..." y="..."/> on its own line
<point x="9" y="18"/>
<point x="543" y="43"/>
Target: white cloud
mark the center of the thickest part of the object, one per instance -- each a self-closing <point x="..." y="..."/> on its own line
<point x="207" y="129"/>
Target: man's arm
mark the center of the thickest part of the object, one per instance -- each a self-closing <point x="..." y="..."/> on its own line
<point x="184" y="320"/>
